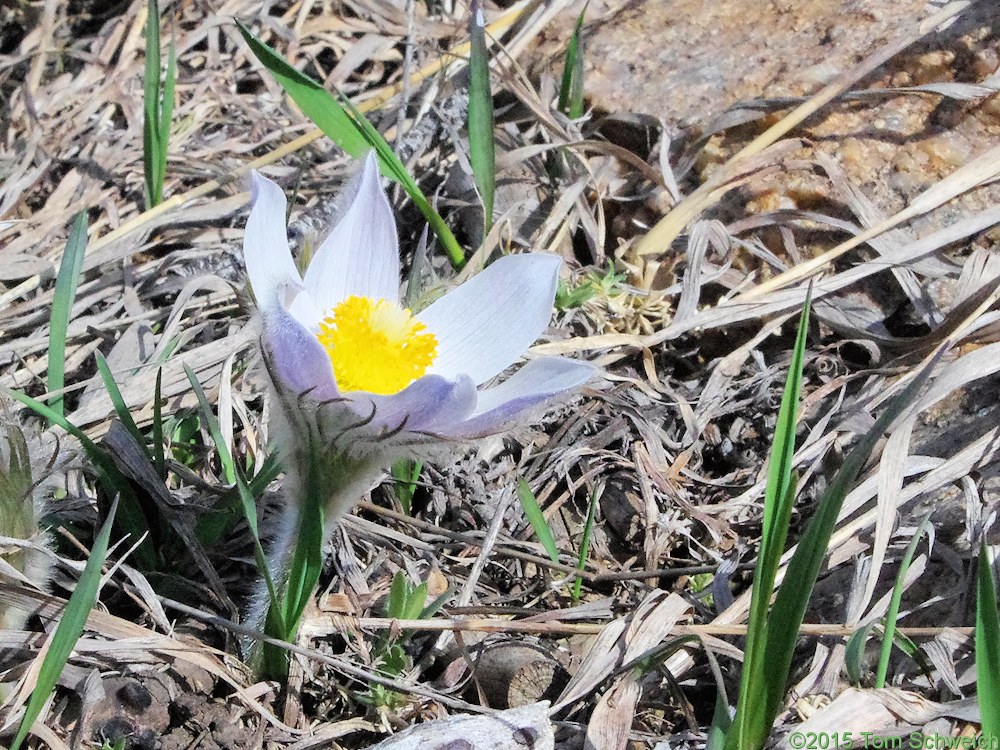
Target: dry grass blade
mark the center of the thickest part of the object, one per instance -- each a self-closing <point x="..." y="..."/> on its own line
<point x="611" y="722"/>
<point x="505" y="730"/>
<point x="623" y="641"/>
<point x="741" y="309"/>
<point x="326" y="626"/>
<point x="890" y="482"/>
<point x="855" y="711"/>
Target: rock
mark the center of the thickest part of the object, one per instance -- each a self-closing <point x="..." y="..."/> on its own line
<point x="686" y="62"/>
<point x="522" y="728"/>
<point x="685" y="59"/>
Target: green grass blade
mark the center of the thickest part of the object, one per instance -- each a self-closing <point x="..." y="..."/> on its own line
<point x="987" y="649"/>
<point x="272" y="659"/>
<point x="275" y="622"/>
<point x="571" y="88"/>
<point x="779" y="498"/>
<point x="438" y="604"/>
<point x="307" y="556"/>
<point x="151" y="143"/>
<point x="166" y="106"/>
<point x="94" y="452"/>
<point x="588" y="528"/>
<point x="62" y="306"/>
<point x="854" y="654"/>
<point x="537" y="519"/>
<point x="149" y="517"/>
<point x="721" y="723"/>
<point x="121" y="408"/>
<point x="897" y="595"/>
<point x="905" y="644"/>
<point x="800" y="577"/>
<point x="250" y="513"/>
<point x="350" y="130"/>
<point x="389" y="160"/>
<point x="482" y="148"/>
<point x="312" y="98"/>
<point x="415" y="602"/>
<point x="306" y="562"/>
<point x="405" y="474"/>
<point x="395" y="604"/>
<point x="159" y="457"/>
<point x="269" y="469"/>
<point x="69" y="629"/>
<point x="158" y="108"/>
<point x="228" y="466"/>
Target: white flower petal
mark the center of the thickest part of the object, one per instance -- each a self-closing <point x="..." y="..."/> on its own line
<point x="304" y="309"/>
<point x="265" y="243"/>
<point x="502" y="406"/>
<point x="484" y="325"/>
<point x="361" y="254"/>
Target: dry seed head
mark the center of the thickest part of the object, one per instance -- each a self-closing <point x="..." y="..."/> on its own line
<point x="29" y="465"/>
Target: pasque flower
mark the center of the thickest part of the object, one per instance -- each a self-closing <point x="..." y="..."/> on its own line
<point x="362" y="381"/>
<point x="337" y="339"/>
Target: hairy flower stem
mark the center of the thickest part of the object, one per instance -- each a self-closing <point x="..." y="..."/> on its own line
<point x="323" y="482"/>
<point x="299" y="573"/>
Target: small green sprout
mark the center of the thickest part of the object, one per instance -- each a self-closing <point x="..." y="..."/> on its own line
<point x="594" y="284"/>
<point x="405" y="602"/>
<point x="186" y="444"/>
<point x="405" y="474"/>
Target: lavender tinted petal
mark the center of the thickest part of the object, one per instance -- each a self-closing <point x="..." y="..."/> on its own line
<point x="505" y="405"/>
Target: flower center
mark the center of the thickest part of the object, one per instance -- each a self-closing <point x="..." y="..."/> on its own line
<point x="376" y="345"/>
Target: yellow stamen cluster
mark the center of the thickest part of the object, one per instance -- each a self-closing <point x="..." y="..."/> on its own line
<point x="376" y="346"/>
